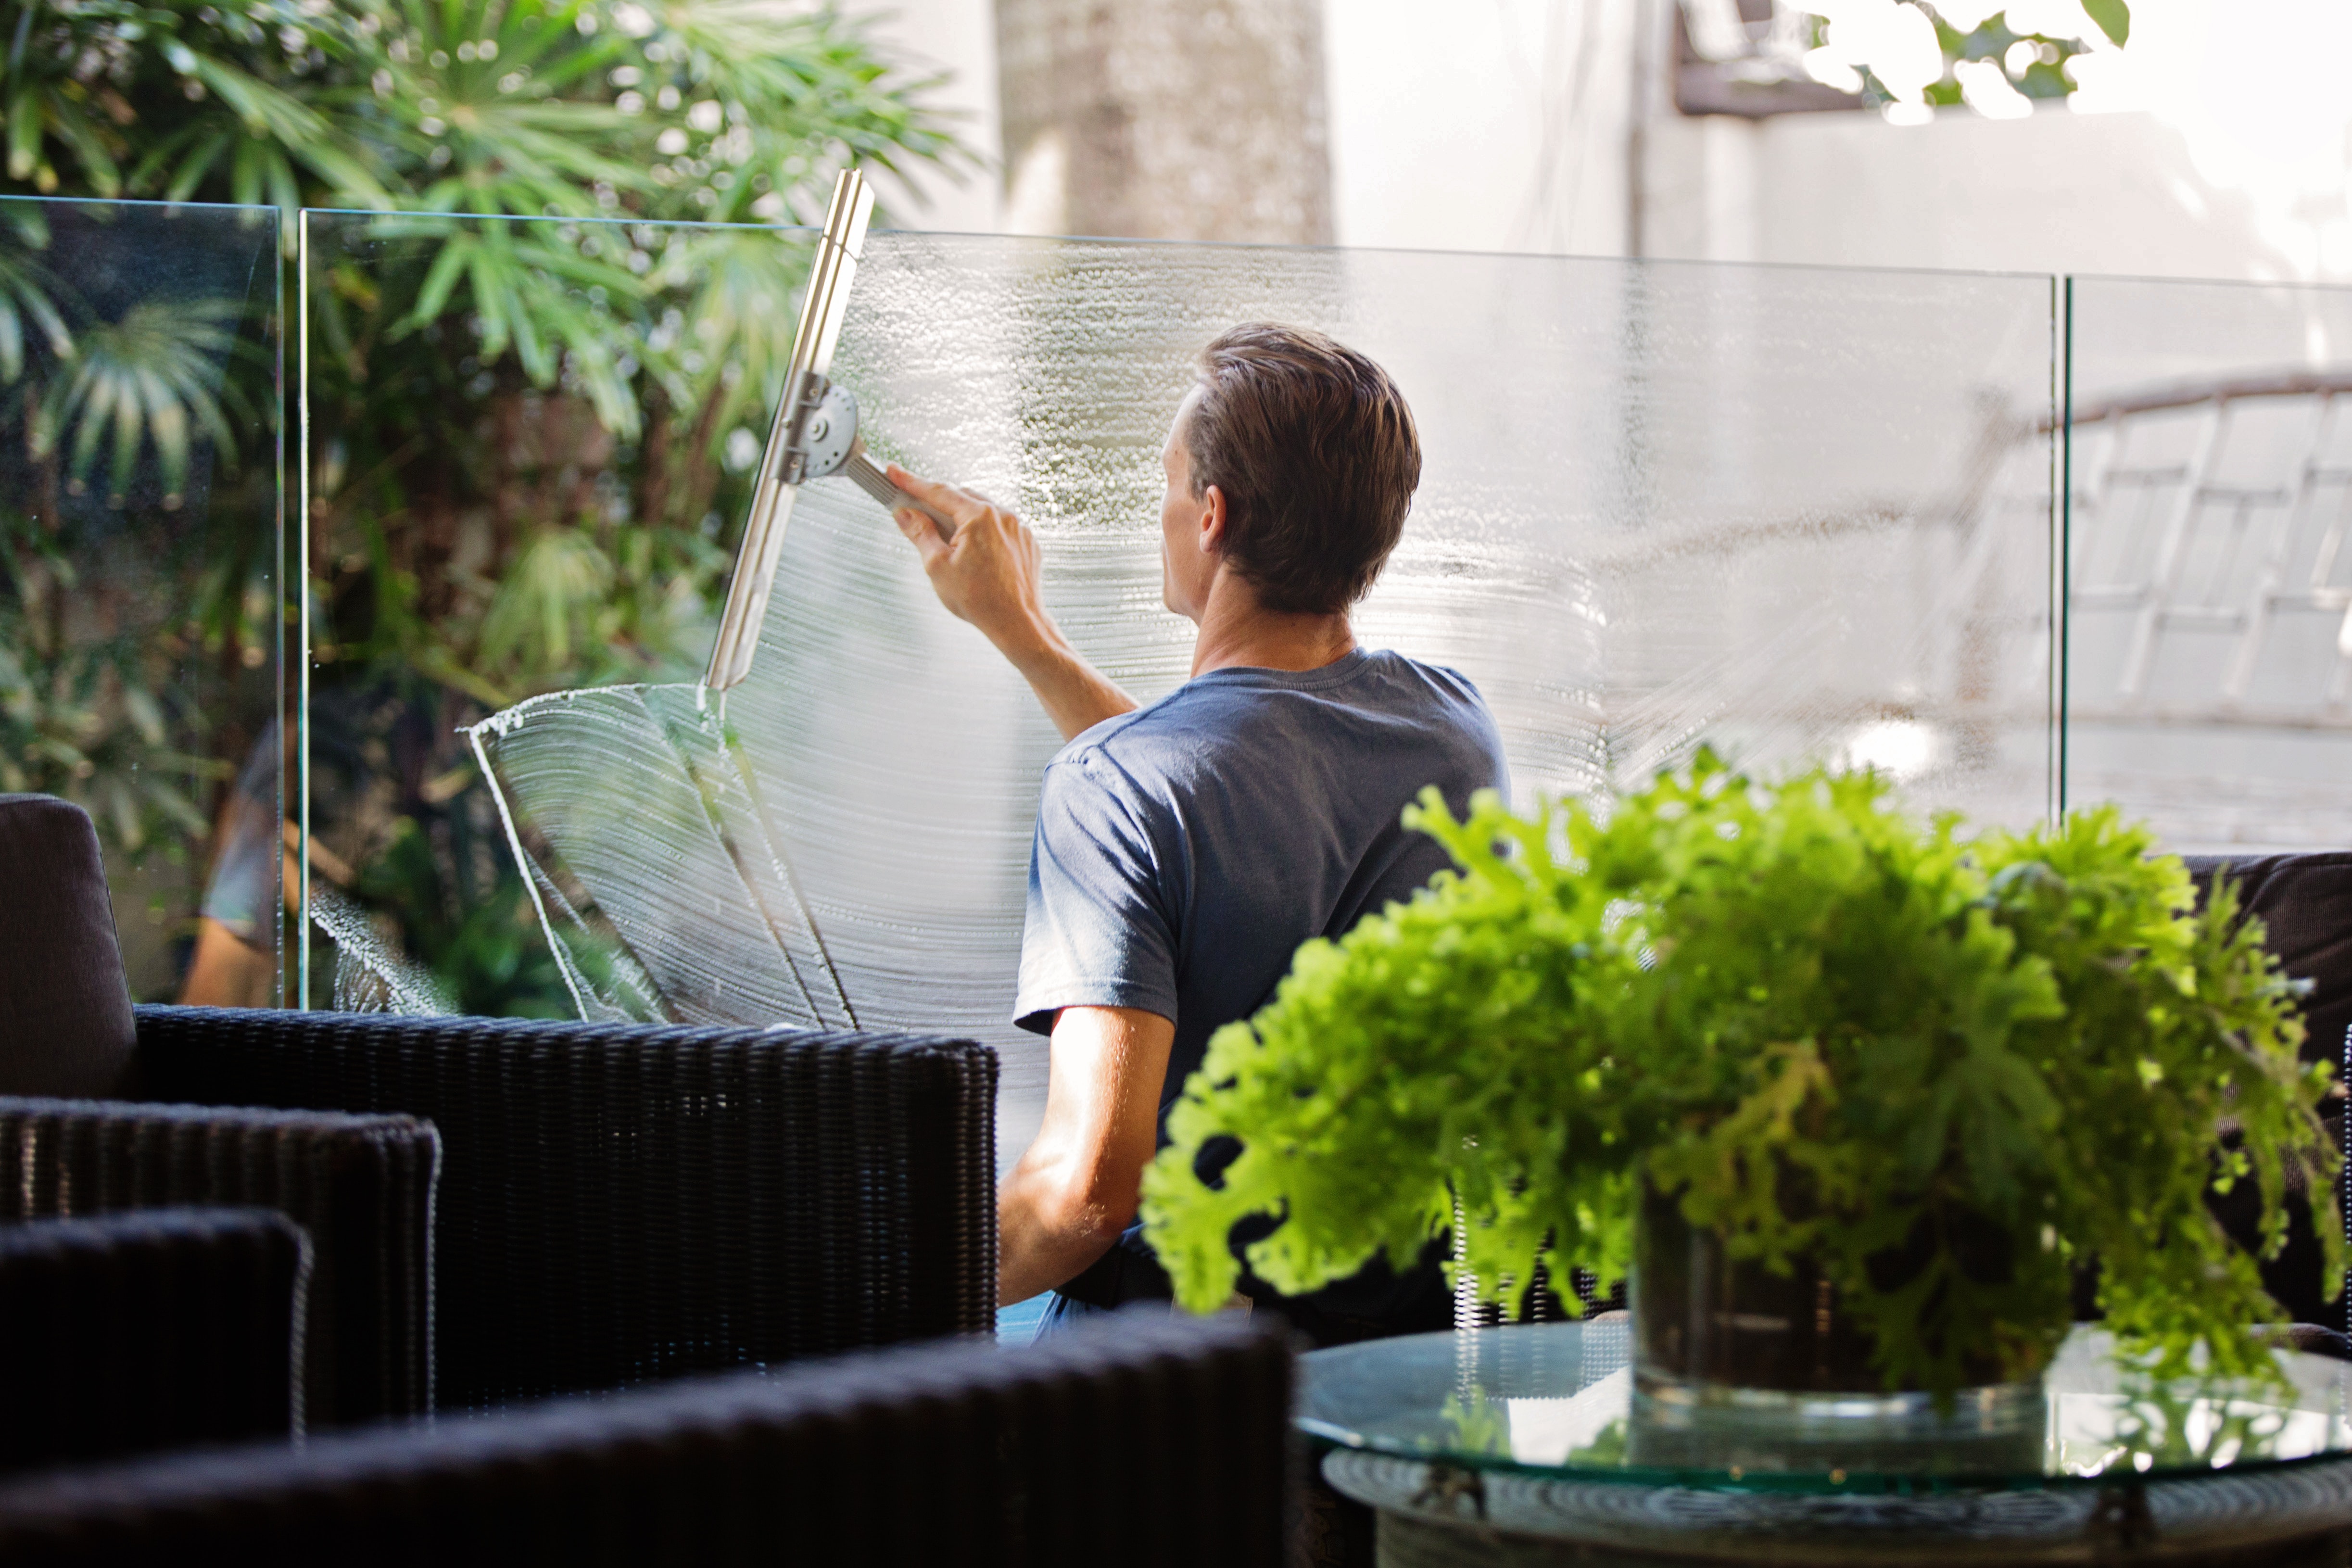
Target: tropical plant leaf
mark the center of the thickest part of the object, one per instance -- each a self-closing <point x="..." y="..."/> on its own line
<point x="2113" y="18"/>
<point x="1736" y="992"/>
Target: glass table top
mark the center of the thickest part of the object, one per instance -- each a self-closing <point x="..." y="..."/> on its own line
<point x="1559" y="1400"/>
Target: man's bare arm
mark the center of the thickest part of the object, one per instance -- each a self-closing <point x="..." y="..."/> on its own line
<point x="1077" y="1185"/>
<point x="988" y="574"/>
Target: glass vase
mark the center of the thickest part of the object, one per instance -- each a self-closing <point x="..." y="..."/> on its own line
<point x="1737" y="1367"/>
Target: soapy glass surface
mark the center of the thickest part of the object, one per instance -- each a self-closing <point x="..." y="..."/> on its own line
<point x="1793" y="513"/>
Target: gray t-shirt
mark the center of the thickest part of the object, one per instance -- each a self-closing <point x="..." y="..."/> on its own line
<point x="1184" y="850"/>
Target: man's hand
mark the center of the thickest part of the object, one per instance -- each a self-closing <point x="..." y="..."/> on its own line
<point x="1077" y="1185"/>
<point x="989" y="574"/>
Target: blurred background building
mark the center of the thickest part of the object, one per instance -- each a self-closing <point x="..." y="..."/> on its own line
<point x="2170" y="139"/>
<point x="2212" y="144"/>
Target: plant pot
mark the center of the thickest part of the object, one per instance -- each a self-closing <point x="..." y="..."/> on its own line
<point x="1737" y="1366"/>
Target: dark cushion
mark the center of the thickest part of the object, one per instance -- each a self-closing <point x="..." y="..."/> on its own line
<point x="2305" y="900"/>
<point x="64" y="1009"/>
<point x="362" y="1187"/>
<point x="154" y="1329"/>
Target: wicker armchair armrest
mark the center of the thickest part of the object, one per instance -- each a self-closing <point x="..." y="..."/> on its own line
<point x="1142" y="1439"/>
<point x="362" y="1188"/>
<point x="623" y="1202"/>
<point x="150" y="1330"/>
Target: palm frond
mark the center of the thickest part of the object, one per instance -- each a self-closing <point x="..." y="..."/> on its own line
<point x="146" y="379"/>
<point x="26" y="294"/>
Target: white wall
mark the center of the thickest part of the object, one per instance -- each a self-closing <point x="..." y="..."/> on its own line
<point x="956" y="38"/>
<point x="1480" y="125"/>
<point x="2055" y="193"/>
<point x="2219" y="143"/>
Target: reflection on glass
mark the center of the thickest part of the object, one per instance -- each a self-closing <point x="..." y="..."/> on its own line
<point x="140" y="619"/>
<point x="2210" y="586"/>
<point x="1558" y="1397"/>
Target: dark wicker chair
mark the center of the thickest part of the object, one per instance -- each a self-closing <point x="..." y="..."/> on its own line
<point x="614" y="1203"/>
<point x="148" y="1330"/>
<point x="621" y="1201"/>
<point x="2304" y="903"/>
<point x="1143" y="1440"/>
<point x="360" y="1186"/>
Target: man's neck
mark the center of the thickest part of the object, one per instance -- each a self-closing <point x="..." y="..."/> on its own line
<point x="1237" y="633"/>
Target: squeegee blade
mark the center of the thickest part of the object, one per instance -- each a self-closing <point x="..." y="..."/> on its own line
<point x="746" y="594"/>
<point x="831" y="272"/>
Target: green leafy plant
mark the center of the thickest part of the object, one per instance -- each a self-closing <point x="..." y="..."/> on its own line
<point x="1826" y="1029"/>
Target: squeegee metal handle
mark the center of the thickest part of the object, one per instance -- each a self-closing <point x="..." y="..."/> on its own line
<point x="860" y="469"/>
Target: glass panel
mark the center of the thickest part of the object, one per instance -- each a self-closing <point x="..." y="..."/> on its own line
<point x="525" y="445"/>
<point x="1790" y="512"/>
<point x="2210" y="456"/>
<point x="140" y="627"/>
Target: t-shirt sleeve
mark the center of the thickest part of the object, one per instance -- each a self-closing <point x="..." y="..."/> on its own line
<point x="1097" y="932"/>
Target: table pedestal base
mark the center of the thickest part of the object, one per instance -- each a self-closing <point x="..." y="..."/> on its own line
<point x="1441" y="1516"/>
<point x="1406" y="1541"/>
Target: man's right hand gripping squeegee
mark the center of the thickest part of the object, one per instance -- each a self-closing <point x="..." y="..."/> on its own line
<point x="815" y="435"/>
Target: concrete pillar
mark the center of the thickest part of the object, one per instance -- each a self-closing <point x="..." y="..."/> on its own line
<point x="1165" y="119"/>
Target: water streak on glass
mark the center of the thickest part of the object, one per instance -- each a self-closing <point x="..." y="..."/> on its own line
<point x="140" y="584"/>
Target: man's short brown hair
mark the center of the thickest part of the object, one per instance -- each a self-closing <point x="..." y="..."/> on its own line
<point x="1314" y="452"/>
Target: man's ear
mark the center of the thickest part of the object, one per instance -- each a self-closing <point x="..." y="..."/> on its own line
<point x="1212" y="522"/>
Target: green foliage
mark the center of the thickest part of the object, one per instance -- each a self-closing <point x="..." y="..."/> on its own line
<point x="2043" y="75"/>
<point x="710" y="108"/>
<point x="147" y="381"/>
<point x="466" y="917"/>
<point x="88" y="708"/>
<point x="131" y="623"/>
<point x="517" y="471"/>
<point x="26" y="287"/>
<point x="1948" y="1069"/>
<point x="2113" y="19"/>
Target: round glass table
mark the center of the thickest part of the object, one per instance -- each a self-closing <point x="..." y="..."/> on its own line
<point x="1529" y="1444"/>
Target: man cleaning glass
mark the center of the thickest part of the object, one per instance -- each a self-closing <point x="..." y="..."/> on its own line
<point x="1185" y="850"/>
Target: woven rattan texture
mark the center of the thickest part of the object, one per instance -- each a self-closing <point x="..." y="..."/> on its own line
<point x="620" y="1202"/>
<point x="145" y="1330"/>
<point x="361" y="1187"/>
<point x="1143" y="1440"/>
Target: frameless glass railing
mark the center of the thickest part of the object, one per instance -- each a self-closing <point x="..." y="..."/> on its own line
<point x="1788" y="512"/>
<point x="2209" y="675"/>
<point x="142" y="626"/>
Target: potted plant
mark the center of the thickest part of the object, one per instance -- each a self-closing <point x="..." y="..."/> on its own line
<point x="1789" y="1057"/>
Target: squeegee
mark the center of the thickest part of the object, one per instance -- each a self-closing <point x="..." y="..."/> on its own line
<point x="815" y="435"/>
